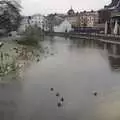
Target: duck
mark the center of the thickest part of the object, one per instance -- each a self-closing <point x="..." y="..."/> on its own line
<point x="57" y="94"/>
<point x="62" y="99"/>
<point x="51" y="89"/>
<point x="95" y="93"/>
<point x="59" y="104"/>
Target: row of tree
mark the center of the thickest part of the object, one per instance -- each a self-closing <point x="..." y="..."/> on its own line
<point x="10" y="16"/>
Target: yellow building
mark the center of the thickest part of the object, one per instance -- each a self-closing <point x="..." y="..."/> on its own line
<point x="88" y="19"/>
<point x="82" y="19"/>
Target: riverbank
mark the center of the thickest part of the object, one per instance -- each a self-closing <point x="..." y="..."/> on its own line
<point x="109" y="38"/>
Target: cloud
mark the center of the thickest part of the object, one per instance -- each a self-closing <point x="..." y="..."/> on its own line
<point x="52" y="6"/>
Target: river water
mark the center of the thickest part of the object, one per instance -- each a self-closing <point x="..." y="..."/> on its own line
<point x="75" y="69"/>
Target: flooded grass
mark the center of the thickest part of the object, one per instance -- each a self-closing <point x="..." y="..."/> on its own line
<point x="16" y="58"/>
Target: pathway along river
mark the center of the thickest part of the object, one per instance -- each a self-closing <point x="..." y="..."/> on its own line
<point x="75" y="69"/>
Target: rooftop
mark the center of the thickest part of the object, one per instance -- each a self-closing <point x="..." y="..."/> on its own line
<point x="71" y="12"/>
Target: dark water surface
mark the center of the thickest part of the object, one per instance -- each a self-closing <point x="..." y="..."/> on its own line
<point x="76" y="69"/>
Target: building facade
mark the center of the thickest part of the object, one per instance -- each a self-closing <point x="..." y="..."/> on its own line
<point x="35" y="20"/>
<point x="110" y="17"/>
<point x="83" y="19"/>
<point x="114" y="24"/>
<point x="73" y="20"/>
<point x="65" y="26"/>
<point x="88" y="19"/>
<point x="72" y="17"/>
<point x="105" y="13"/>
<point x="54" y="20"/>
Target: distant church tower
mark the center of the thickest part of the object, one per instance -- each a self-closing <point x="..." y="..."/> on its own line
<point x="71" y="12"/>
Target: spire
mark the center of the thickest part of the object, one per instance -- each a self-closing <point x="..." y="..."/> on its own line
<point x="71" y="11"/>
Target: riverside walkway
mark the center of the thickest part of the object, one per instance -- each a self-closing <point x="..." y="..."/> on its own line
<point x="109" y="38"/>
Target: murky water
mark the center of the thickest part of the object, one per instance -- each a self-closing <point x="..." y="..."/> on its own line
<point x="75" y="69"/>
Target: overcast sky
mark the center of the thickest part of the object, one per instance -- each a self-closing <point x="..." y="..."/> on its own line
<point x="60" y="6"/>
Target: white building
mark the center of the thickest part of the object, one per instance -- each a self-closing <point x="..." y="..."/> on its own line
<point x="35" y="20"/>
<point x="65" y="26"/>
<point x="54" y="20"/>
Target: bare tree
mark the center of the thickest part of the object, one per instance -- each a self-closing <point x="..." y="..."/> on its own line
<point x="9" y="15"/>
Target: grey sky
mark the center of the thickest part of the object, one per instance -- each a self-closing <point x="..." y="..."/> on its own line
<point x="60" y="6"/>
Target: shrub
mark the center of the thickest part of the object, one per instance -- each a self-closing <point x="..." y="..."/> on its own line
<point x="31" y="36"/>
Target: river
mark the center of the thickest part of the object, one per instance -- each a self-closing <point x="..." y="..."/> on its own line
<point x="75" y="69"/>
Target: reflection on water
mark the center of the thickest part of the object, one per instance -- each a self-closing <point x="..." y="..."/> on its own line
<point x="7" y="110"/>
<point x="9" y="97"/>
<point x="74" y="68"/>
<point x="115" y="63"/>
<point x="113" y="55"/>
<point x="113" y="50"/>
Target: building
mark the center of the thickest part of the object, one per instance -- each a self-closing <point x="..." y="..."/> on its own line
<point x="54" y="20"/>
<point x="114" y="24"/>
<point x="73" y="20"/>
<point x="105" y="13"/>
<point x="65" y="26"/>
<point x="110" y="17"/>
<point x="35" y="20"/>
<point x="72" y="17"/>
<point x="88" y="19"/>
<point x="107" y="17"/>
<point x="82" y="19"/>
<point x="71" y="12"/>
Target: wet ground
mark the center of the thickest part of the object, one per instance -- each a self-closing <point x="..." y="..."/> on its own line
<point x="59" y="81"/>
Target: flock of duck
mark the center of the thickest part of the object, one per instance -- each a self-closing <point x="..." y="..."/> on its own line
<point x="61" y="98"/>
